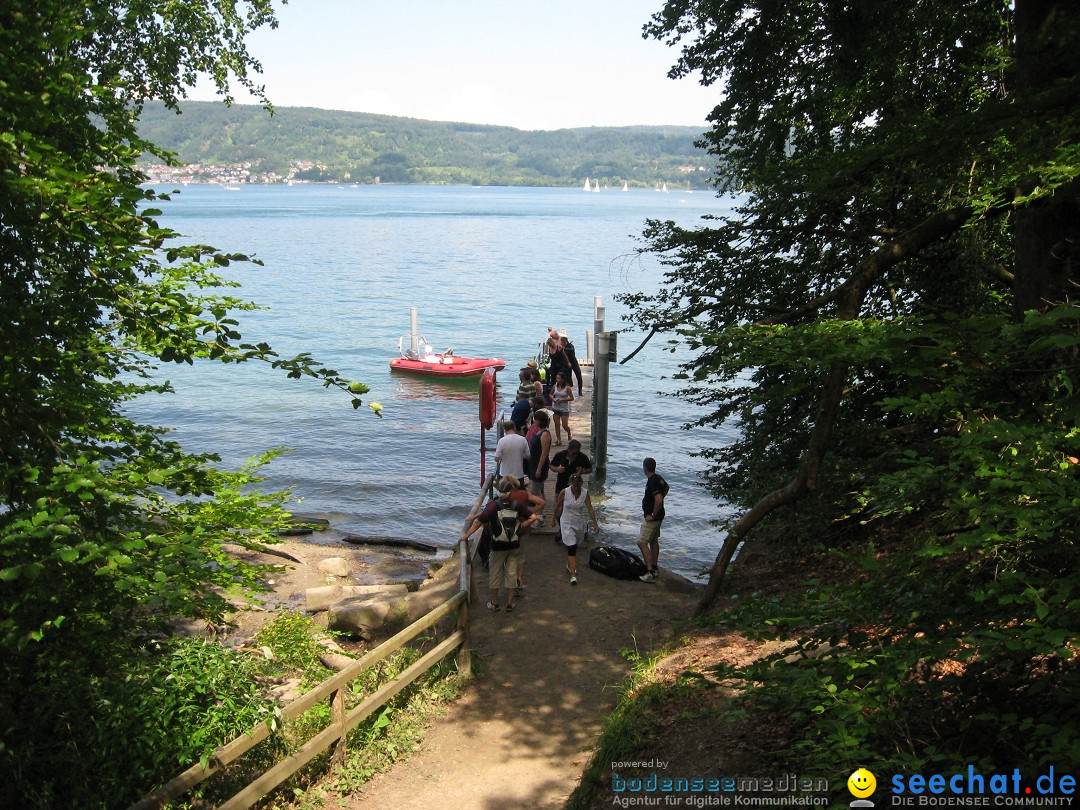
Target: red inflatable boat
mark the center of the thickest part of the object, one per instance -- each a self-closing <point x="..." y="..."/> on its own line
<point x="446" y="364"/>
<point x="417" y="357"/>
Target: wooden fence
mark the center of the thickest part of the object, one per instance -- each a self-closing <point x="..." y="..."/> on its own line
<point x="334" y="690"/>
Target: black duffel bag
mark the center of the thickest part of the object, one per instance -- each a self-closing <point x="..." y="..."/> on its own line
<point x="616" y="562"/>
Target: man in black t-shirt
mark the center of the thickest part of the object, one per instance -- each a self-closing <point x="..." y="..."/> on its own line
<point x="652" y="505"/>
<point x="565" y="463"/>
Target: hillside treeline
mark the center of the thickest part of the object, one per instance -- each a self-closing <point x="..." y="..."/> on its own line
<point x="366" y="148"/>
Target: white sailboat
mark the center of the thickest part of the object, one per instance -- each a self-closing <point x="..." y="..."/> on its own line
<point x="625" y="187"/>
<point x="586" y="185"/>
<point x="596" y="185"/>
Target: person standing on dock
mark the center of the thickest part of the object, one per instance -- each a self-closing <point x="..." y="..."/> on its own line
<point x="562" y="394"/>
<point x="511" y="452"/>
<point x="539" y="450"/>
<point x="571" y="359"/>
<point x="535" y="504"/>
<point x="526" y="388"/>
<point x="562" y="357"/>
<point x="566" y="463"/>
<point x="505" y="519"/>
<point x="656" y="489"/>
<point x="537" y="404"/>
<point x="570" y="509"/>
<point x="520" y="414"/>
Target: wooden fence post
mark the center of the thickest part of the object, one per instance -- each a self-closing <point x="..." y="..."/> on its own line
<point x="464" y="655"/>
<point x="337" y="718"/>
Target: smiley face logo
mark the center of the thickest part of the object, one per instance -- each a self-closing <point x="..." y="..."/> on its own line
<point x="861" y="783"/>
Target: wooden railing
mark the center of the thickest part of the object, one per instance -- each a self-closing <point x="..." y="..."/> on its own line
<point x="334" y="690"/>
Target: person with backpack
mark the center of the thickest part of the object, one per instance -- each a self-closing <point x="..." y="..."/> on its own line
<point x="504" y="518"/>
<point x="656" y="489"/>
<point x="535" y="504"/>
<point x="570" y="509"/>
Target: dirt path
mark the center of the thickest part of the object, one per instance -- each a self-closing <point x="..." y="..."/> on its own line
<point x="544" y="675"/>
<point x="525" y="728"/>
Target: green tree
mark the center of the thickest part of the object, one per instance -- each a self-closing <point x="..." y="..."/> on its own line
<point x="108" y="531"/>
<point x="888" y="318"/>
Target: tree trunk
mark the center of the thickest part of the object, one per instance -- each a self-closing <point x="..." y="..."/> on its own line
<point x="1046" y="233"/>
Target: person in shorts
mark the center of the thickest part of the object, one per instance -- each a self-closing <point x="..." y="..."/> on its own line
<point x="652" y="505"/>
<point x="504" y="557"/>
<point x="566" y="463"/>
<point x="570" y="508"/>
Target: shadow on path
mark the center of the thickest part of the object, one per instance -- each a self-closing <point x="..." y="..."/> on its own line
<point x="545" y="678"/>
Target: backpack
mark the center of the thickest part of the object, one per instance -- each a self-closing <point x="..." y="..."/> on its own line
<point x="505" y="528"/>
<point x="616" y="562"/>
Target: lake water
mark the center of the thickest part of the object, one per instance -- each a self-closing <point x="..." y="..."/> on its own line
<point x="489" y="270"/>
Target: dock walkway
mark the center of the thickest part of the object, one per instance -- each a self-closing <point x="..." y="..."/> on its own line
<point x="544" y="680"/>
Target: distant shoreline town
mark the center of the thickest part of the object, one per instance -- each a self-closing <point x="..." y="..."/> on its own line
<point x="229" y="174"/>
<point x="307" y="172"/>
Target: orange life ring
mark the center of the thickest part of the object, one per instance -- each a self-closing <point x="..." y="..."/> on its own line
<point x="487" y="399"/>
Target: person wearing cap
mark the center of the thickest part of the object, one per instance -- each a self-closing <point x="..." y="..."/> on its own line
<point x="502" y="562"/>
<point x="537" y="378"/>
<point x="526" y="388"/>
<point x="570" y="509"/>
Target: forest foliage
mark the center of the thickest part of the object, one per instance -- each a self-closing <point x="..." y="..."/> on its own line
<point x="890" y="320"/>
<point x="110" y="533"/>
<point x="360" y="147"/>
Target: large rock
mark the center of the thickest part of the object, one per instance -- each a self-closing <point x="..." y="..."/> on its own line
<point x="335" y="566"/>
<point x="365" y="616"/>
<point x="362" y="615"/>
<point x="322" y="597"/>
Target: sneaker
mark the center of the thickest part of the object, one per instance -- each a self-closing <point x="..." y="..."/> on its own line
<point x="509" y="608"/>
<point x="648" y="576"/>
<point x="492" y="606"/>
<point x="573" y="580"/>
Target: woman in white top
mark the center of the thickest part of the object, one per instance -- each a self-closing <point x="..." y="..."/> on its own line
<point x="562" y="394"/>
<point x="570" y="514"/>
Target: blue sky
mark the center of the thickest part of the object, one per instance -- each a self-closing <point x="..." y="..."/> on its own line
<point x="544" y="64"/>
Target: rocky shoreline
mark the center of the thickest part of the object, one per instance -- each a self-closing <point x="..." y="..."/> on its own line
<point x="325" y="564"/>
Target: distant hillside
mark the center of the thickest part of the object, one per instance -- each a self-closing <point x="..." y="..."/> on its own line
<point x="336" y="146"/>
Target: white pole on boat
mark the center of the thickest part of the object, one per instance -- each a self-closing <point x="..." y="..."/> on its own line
<point x="414" y="326"/>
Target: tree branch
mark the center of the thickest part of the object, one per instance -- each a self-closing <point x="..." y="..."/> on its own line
<point x="641" y="345"/>
<point x="872" y="267"/>
<point x="850" y="296"/>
